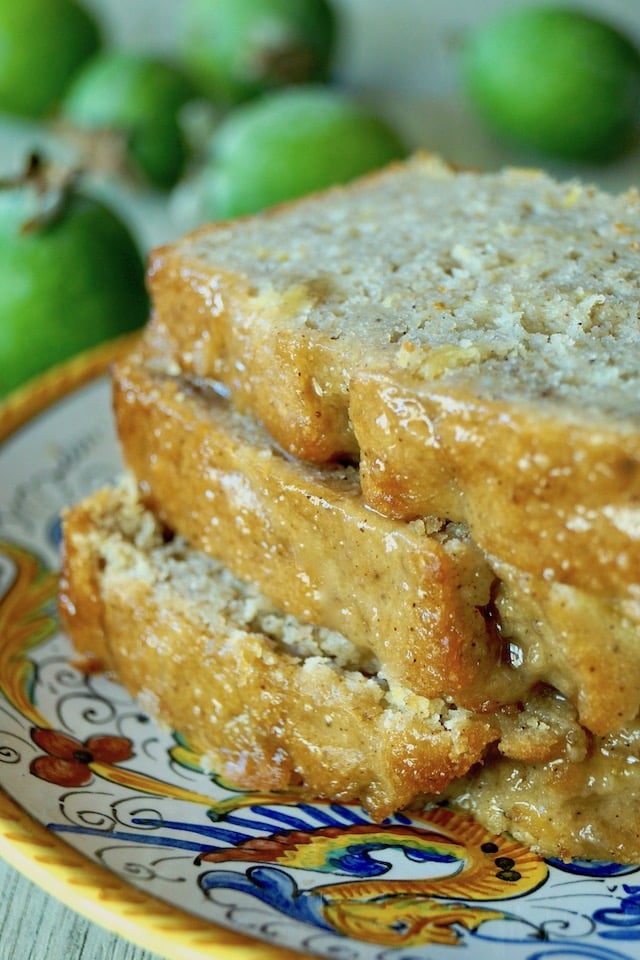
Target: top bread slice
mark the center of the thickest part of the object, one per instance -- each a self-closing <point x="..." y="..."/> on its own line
<point x="508" y="297"/>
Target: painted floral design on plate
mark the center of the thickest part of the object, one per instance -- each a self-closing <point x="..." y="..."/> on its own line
<point x="81" y="758"/>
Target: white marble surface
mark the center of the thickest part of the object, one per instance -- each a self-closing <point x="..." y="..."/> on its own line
<point x="403" y="55"/>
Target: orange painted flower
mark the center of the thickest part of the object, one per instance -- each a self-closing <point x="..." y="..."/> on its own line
<point x="67" y="761"/>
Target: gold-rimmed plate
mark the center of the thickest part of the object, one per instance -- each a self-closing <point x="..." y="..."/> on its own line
<point x="115" y="816"/>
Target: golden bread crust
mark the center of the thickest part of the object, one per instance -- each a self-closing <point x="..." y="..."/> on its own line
<point x="424" y="606"/>
<point x="589" y="809"/>
<point x="501" y="309"/>
<point x="381" y="544"/>
<point x="558" y="499"/>
<point x="267" y="719"/>
<point x="204" y="654"/>
<point x="410" y="602"/>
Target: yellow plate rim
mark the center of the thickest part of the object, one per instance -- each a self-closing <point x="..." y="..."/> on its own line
<point x="48" y="861"/>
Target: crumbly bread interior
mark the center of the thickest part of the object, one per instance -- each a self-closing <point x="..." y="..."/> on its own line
<point x="278" y="704"/>
<point x="510" y="281"/>
<point x="273" y="702"/>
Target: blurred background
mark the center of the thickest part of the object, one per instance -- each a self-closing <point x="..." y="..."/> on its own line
<point x="401" y="60"/>
<point x="403" y="57"/>
<point x="405" y="54"/>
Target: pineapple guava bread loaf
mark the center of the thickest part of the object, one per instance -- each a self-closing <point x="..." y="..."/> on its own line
<point x="379" y="536"/>
<point x="471" y="340"/>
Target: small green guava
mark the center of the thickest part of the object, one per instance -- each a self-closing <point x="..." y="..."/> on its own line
<point x="238" y="49"/>
<point x="42" y="45"/>
<point x="289" y="143"/>
<point x="71" y="274"/>
<point x="139" y="98"/>
<point x="557" y="80"/>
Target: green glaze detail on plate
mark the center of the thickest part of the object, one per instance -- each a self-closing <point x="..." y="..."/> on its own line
<point x="198" y="868"/>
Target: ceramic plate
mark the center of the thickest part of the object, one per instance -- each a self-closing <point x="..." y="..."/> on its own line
<point x="115" y="816"/>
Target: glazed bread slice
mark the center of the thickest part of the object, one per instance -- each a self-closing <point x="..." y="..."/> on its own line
<point x="589" y="809"/>
<point x="503" y="301"/>
<point x="422" y="605"/>
<point x="556" y="498"/>
<point x="274" y="703"/>
<point x="411" y="603"/>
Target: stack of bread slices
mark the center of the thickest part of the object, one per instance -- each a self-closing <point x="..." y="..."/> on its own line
<point x="379" y="538"/>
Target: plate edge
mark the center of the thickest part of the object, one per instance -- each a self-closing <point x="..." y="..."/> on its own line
<point x="26" y="845"/>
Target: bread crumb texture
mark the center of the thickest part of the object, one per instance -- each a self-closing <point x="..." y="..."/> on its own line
<point x="279" y="704"/>
<point x="527" y="284"/>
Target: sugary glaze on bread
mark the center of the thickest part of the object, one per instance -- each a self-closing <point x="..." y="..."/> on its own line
<point x="420" y="602"/>
<point x="411" y="603"/>
<point x="512" y="282"/>
<point x="278" y="704"/>
<point x="418" y="308"/>
<point x="471" y="343"/>
<point x="557" y="498"/>
<point x="589" y="809"/>
<point x="274" y="703"/>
